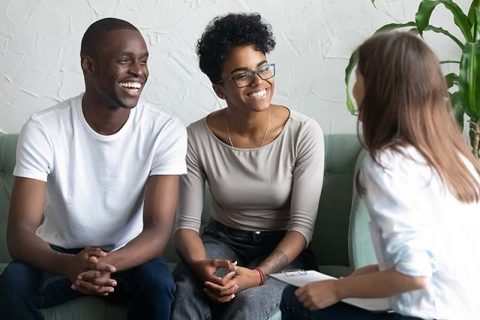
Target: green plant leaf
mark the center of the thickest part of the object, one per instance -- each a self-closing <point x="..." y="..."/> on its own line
<point x="445" y="32"/>
<point x="451" y="79"/>
<point x="449" y="61"/>
<point x="426" y="7"/>
<point x="474" y="17"/>
<point x="457" y="108"/>
<point x="373" y="2"/>
<point x="393" y="26"/>
<point x="469" y="79"/>
<point x="348" y="72"/>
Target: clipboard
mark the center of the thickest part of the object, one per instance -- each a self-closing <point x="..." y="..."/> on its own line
<point x="299" y="278"/>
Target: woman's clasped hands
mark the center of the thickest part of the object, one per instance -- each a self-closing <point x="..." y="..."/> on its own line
<point x="223" y="288"/>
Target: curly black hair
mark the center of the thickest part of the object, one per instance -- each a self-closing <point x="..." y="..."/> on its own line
<point x="224" y="33"/>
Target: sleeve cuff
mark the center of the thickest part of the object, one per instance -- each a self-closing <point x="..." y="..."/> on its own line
<point x="30" y="174"/>
<point x="169" y="171"/>
<point x="420" y="264"/>
<point x="306" y="235"/>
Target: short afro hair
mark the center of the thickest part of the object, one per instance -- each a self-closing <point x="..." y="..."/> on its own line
<point x="99" y="28"/>
<point x="224" y="33"/>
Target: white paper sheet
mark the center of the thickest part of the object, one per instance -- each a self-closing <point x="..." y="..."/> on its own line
<point x="302" y="277"/>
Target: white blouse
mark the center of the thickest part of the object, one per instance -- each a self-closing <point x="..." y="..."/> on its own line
<point x="421" y="229"/>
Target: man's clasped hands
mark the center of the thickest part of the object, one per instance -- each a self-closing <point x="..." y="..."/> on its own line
<point x="90" y="272"/>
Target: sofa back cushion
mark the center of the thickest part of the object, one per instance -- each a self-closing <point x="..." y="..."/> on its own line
<point x="331" y="234"/>
<point x="8" y="144"/>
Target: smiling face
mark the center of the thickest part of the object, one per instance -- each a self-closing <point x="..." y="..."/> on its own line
<point x="118" y="71"/>
<point x="255" y="97"/>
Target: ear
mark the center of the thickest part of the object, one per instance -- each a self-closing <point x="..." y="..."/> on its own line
<point x="88" y="64"/>
<point x="219" y="91"/>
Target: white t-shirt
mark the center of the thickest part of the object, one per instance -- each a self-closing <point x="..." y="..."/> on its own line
<point x="421" y="229"/>
<point x="96" y="183"/>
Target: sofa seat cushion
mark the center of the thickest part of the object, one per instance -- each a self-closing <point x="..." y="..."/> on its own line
<point x="86" y="308"/>
<point x="3" y="266"/>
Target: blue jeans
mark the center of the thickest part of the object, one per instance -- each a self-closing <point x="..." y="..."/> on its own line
<point x="147" y="290"/>
<point x="292" y="309"/>
<point x="249" y="249"/>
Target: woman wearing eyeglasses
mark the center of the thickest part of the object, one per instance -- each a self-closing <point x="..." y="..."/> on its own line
<point x="264" y="167"/>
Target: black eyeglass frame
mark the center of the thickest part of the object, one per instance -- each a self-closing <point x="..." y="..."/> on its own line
<point x="251" y="74"/>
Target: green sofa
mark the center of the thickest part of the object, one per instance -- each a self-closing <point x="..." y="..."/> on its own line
<point x="341" y="239"/>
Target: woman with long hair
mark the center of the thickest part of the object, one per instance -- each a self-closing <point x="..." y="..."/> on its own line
<point x="421" y="185"/>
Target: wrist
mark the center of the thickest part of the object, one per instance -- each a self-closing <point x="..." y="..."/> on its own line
<point x="261" y="275"/>
<point x="66" y="265"/>
<point x="339" y="288"/>
<point x="113" y="259"/>
<point x="191" y="262"/>
<point x="199" y="268"/>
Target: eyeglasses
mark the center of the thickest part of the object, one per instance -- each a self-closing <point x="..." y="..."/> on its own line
<point x="246" y="78"/>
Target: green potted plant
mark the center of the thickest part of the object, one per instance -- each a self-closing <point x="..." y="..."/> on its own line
<point x="464" y="85"/>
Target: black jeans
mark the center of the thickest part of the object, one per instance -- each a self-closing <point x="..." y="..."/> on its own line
<point x="292" y="309"/>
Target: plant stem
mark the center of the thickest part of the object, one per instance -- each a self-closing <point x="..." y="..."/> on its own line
<point x="474" y="134"/>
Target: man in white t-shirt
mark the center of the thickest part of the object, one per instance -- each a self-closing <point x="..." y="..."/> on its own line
<point x="102" y="168"/>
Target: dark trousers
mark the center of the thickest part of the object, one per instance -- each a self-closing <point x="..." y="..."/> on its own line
<point x="147" y="290"/>
<point x="292" y="309"/>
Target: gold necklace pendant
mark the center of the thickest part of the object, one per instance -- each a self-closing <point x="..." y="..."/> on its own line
<point x="264" y="134"/>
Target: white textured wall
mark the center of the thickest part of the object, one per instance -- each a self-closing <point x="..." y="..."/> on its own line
<point x="40" y="43"/>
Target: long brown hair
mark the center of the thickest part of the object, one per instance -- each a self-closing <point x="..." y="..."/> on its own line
<point x="406" y="103"/>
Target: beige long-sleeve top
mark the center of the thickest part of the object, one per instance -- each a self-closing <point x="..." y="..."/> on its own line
<point x="274" y="187"/>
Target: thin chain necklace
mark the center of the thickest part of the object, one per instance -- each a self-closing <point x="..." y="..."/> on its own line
<point x="264" y="134"/>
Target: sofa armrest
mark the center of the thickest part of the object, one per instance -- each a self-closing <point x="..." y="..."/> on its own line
<point x="360" y="246"/>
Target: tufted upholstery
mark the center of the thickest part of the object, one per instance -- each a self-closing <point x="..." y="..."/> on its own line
<point x="341" y="240"/>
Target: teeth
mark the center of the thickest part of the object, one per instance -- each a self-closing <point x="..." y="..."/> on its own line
<point x="258" y="94"/>
<point x="131" y="85"/>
